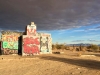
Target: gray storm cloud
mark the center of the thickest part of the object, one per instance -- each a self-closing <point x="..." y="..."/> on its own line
<point x="48" y="14"/>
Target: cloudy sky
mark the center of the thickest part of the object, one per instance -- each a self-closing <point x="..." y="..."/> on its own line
<point x="68" y="21"/>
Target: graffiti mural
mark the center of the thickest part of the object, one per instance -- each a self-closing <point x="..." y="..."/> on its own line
<point x="31" y="45"/>
<point x="45" y="43"/>
<point x="28" y="42"/>
<point x="10" y="45"/>
<point x="0" y="44"/>
<point x="7" y="51"/>
<point x="0" y="49"/>
<point x="10" y="41"/>
<point x="50" y="44"/>
<point x="10" y="38"/>
<point x="31" y="29"/>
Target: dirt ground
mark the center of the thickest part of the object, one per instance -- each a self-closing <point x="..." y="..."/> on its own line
<point x="67" y="63"/>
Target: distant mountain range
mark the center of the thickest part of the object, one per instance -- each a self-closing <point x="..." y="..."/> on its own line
<point x="82" y="44"/>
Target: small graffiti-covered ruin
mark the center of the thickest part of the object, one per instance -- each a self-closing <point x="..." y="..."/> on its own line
<point x="29" y="42"/>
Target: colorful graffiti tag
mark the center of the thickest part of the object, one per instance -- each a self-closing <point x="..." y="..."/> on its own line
<point x="45" y="43"/>
<point x="10" y="38"/>
<point x="31" y="45"/>
<point x="10" y="45"/>
<point x="0" y="48"/>
<point x="50" y="44"/>
<point x="31" y="30"/>
<point x="10" y="41"/>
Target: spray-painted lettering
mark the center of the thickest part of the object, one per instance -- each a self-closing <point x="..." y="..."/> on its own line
<point x="31" y="30"/>
<point x="31" y="45"/>
<point x="10" y="41"/>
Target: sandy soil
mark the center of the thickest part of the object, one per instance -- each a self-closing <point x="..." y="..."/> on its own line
<point x="67" y="63"/>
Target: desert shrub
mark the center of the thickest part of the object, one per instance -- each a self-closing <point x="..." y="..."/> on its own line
<point x="93" y="48"/>
<point x="60" y="46"/>
<point x="82" y="48"/>
<point x="53" y="46"/>
<point x="56" y="46"/>
<point x="99" y="48"/>
<point x="77" y="49"/>
<point x="67" y="48"/>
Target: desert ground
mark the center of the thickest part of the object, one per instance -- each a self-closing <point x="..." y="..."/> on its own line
<point x="65" y="63"/>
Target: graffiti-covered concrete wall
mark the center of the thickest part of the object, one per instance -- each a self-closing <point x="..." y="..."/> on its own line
<point x="31" y="29"/>
<point x="0" y="45"/>
<point x="0" y="48"/>
<point x="10" y="43"/>
<point x="30" y="45"/>
<point x="45" y="43"/>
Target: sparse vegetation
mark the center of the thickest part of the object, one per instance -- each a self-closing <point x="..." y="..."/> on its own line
<point x="90" y="48"/>
<point x="93" y="47"/>
<point x="60" y="46"/>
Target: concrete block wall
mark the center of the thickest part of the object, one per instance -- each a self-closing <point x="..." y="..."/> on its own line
<point x="45" y="43"/>
<point x="44" y="40"/>
<point x="31" y="29"/>
<point x="10" y="43"/>
<point x="30" y="45"/>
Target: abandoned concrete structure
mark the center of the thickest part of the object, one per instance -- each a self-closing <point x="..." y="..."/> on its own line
<point x="29" y="43"/>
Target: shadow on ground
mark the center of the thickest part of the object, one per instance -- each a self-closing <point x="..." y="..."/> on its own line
<point x="91" y="64"/>
<point x="98" y="55"/>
